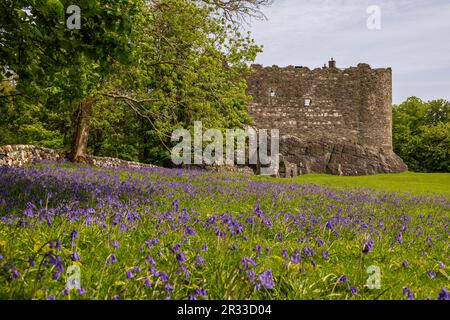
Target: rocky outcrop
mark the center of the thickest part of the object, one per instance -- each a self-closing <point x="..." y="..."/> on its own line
<point x="22" y="155"/>
<point x="324" y="156"/>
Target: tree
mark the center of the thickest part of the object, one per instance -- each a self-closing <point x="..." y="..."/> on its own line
<point x="52" y="62"/>
<point x="169" y="61"/>
<point x="421" y="134"/>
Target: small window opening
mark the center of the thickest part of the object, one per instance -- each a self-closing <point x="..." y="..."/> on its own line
<point x="308" y="102"/>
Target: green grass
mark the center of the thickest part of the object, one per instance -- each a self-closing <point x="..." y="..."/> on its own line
<point x="409" y="182"/>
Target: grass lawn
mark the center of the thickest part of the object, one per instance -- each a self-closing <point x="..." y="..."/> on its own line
<point x="409" y="182"/>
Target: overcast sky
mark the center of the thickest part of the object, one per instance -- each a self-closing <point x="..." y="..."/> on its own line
<point x="414" y="40"/>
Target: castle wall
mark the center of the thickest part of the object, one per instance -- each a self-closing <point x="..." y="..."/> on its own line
<point x="351" y="105"/>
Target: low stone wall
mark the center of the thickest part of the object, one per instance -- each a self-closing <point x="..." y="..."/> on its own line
<point x="115" y="163"/>
<point x="242" y="170"/>
<point x="22" y="155"/>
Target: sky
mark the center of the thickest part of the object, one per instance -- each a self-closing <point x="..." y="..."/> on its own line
<point x="413" y="39"/>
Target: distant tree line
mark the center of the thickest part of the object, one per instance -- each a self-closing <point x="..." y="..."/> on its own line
<point x="421" y="134"/>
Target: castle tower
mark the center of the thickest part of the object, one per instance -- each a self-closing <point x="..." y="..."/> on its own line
<point x="331" y="120"/>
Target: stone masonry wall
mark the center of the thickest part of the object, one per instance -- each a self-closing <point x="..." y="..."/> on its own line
<point x="22" y="155"/>
<point x="349" y="108"/>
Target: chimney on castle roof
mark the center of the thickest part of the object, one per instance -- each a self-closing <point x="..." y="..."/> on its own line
<point x="332" y="63"/>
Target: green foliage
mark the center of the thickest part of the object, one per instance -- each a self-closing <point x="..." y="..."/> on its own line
<point x="150" y="67"/>
<point x="421" y="134"/>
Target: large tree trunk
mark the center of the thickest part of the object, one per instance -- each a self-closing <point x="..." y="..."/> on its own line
<point x="81" y="121"/>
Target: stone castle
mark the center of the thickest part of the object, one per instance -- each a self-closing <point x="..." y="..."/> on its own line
<point x="331" y="120"/>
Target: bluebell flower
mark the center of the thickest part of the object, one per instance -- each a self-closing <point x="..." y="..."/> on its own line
<point x="407" y="292"/>
<point x="169" y="288"/>
<point x="15" y="273"/>
<point x="343" y="279"/>
<point x="405" y="263"/>
<point x="368" y="246"/>
<point x="150" y="260"/>
<point x="266" y="279"/>
<point x="199" y="261"/>
<point x="112" y="259"/>
<point x="114" y="244"/>
<point x="75" y="256"/>
<point x="247" y="262"/>
<point x="295" y="258"/>
<point x="130" y="274"/>
<point x="65" y="292"/>
<point x="181" y="257"/>
<point x="444" y="294"/>
<point x="431" y="274"/>
<point x="176" y="248"/>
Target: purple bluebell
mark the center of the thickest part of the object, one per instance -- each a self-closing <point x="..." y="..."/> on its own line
<point x="150" y="260"/>
<point x="114" y="244"/>
<point x="181" y="257"/>
<point x="130" y="274"/>
<point x="431" y="274"/>
<point x="444" y="295"/>
<point x="266" y="279"/>
<point x="343" y="279"/>
<point x="408" y="293"/>
<point x="75" y="256"/>
<point x="15" y="274"/>
<point x="82" y="291"/>
<point x="247" y="262"/>
<point x="112" y="259"/>
<point x="199" y="261"/>
<point x="368" y="246"/>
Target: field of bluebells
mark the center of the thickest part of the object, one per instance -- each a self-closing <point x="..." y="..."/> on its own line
<point x="176" y="234"/>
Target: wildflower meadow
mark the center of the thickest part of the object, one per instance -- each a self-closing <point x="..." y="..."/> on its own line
<point x="77" y="232"/>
